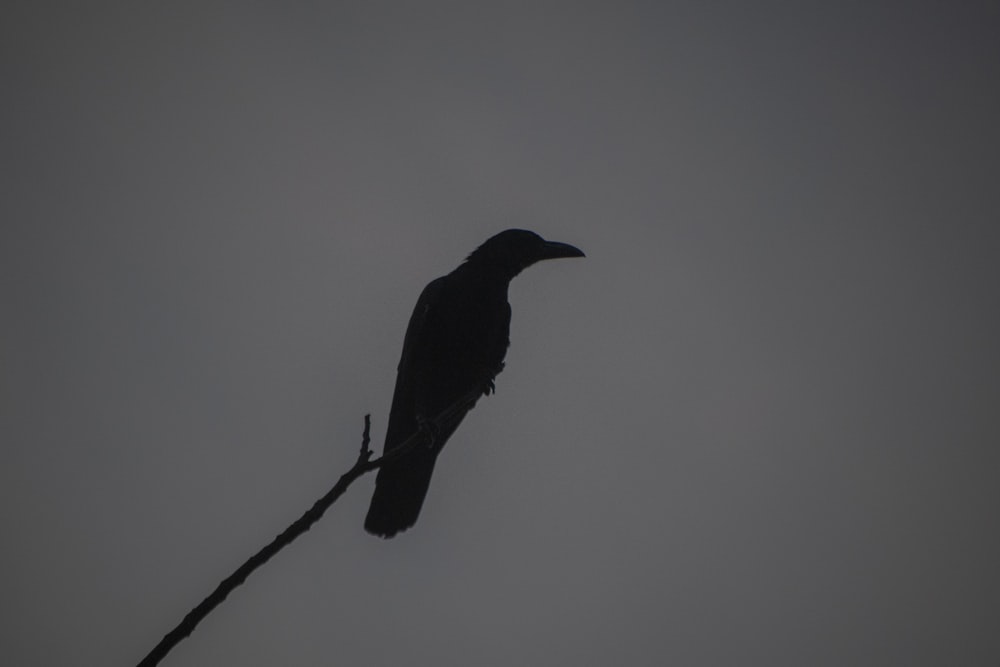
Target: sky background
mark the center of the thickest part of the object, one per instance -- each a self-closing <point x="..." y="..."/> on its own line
<point x="759" y="424"/>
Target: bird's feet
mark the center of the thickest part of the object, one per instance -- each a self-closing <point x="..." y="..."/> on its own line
<point x="491" y="387"/>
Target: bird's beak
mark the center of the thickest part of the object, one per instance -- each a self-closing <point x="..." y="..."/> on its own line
<point x="554" y="249"/>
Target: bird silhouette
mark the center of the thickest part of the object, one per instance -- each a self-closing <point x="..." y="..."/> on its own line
<point x="453" y="349"/>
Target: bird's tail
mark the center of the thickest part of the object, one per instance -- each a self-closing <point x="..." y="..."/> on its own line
<point x="400" y="488"/>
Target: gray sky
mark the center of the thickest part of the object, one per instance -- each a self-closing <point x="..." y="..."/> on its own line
<point x="757" y="425"/>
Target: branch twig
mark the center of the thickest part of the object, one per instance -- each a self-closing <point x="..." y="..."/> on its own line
<point x="363" y="465"/>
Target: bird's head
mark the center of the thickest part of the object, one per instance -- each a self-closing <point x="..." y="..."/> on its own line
<point x="514" y="250"/>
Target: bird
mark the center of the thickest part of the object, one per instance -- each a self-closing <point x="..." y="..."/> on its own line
<point x="453" y="349"/>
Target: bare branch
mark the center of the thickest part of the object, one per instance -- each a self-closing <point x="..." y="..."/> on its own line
<point x="363" y="465"/>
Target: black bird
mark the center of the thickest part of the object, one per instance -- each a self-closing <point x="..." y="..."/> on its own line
<point x="453" y="349"/>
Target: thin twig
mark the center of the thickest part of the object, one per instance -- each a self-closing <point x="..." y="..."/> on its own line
<point x="363" y="465"/>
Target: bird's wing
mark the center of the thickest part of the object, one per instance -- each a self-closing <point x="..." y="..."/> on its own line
<point x="402" y="415"/>
<point x="415" y="329"/>
<point x="401" y="485"/>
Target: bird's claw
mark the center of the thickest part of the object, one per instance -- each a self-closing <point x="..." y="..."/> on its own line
<point x="491" y="387"/>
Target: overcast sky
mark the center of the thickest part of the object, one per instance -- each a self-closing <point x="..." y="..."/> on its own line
<point x="758" y="425"/>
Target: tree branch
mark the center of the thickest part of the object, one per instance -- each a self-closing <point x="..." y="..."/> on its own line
<point x="363" y="465"/>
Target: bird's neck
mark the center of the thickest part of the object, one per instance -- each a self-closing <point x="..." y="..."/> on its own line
<point x="489" y="277"/>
